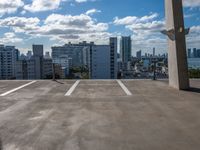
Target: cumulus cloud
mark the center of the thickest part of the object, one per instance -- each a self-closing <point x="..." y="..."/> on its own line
<point x="20" y="24"/>
<point x="60" y="27"/>
<point x="46" y="5"/>
<point x="193" y="39"/>
<point x="82" y="1"/>
<point x="10" y="6"/>
<point x="191" y="3"/>
<point x="145" y="30"/>
<point x="10" y="37"/>
<point x="42" y="5"/>
<point x="92" y="11"/>
<point x="78" y="27"/>
<point x="129" y="20"/>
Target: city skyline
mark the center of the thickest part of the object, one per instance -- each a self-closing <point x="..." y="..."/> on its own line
<point x="57" y="22"/>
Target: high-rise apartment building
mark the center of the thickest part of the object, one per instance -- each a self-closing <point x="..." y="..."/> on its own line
<point x="113" y="58"/>
<point x="8" y="58"/>
<point x="100" y="62"/>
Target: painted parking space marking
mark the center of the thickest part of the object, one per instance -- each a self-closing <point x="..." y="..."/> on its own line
<point x="16" y="89"/>
<point x="73" y="87"/>
<point x="124" y="88"/>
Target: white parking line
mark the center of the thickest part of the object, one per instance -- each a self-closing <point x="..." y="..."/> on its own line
<point x="124" y="88"/>
<point x="18" y="88"/>
<point x="71" y="90"/>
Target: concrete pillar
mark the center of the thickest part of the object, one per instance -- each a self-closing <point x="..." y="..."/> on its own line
<point x="177" y="57"/>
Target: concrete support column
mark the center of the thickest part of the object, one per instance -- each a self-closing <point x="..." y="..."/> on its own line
<point x="177" y="57"/>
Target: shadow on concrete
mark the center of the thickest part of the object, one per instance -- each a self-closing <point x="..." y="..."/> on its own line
<point x="58" y="82"/>
<point x="1" y="144"/>
<point x="194" y="90"/>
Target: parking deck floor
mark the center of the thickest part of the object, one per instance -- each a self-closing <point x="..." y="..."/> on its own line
<point x="98" y="115"/>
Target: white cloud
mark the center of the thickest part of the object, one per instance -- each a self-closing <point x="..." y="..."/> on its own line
<point x="191" y="3"/>
<point x="77" y="28"/>
<point x="82" y="1"/>
<point x="61" y="27"/>
<point x="42" y="5"/>
<point x="142" y="27"/>
<point x="46" y="5"/>
<point x="146" y="32"/>
<point x="10" y="37"/>
<point x="129" y="20"/>
<point x="10" y="6"/>
<point x="20" y="24"/>
<point x="193" y="39"/>
<point x="92" y="11"/>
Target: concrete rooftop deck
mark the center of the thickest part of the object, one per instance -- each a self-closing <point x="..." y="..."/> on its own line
<point x="99" y="115"/>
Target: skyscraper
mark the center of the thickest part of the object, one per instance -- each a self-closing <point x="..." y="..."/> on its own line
<point x="194" y="52"/>
<point x="154" y="52"/>
<point x="113" y="58"/>
<point x="139" y="54"/>
<point x="189" y="53"/>
<point x="198" y="53"/>
<point x="125" y="49"/>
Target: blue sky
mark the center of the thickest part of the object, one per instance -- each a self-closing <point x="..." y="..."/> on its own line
<point x="55" y="22"/>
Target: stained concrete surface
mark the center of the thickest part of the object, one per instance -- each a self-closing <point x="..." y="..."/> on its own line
<point x="100" y="116"/>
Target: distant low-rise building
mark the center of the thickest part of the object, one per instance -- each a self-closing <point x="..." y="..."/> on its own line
<point x="35" y="67"/>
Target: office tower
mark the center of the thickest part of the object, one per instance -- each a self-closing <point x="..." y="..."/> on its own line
<point x="198" y="53"/>
<point x="113" y="58"/>
<point x="21" y="69"/>
<point x="189" y="53"/>
<point x="37" y="50"/>
<point x="139" y="54"/>
<point x="47" y="68"/>
<point x="194" y="52"/>
<point x="154" y="52"/>
<point x="100" y="62"/>
<point x="47" y="55"/>
<point x="8" y="59"/>
<point x="38" y="58"/>
<point x="125" y="49"/>
<point x="29" y="54"/>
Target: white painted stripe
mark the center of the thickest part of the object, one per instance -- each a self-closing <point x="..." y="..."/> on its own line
<point x="71" y="90"/>
<point x="16" y="89"/>
<point x="124" y="88"/>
